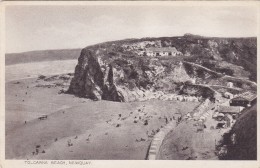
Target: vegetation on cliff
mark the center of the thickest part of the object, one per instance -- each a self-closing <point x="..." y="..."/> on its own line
<point x="121" y="71"/>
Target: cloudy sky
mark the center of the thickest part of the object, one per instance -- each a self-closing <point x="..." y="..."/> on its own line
<point x="56" y="27"/>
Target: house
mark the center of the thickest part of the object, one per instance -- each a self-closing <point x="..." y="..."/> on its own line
<point x="193" y="80"/>
<point x="163" y="51"/>
<point x="227" y="118"/>
<point x="229" y="110"/>
<point x="230" y="85"/>
<point x="227" y="114"/>
<point x="245" y="99"/>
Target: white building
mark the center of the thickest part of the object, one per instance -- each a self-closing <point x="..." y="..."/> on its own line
<point x="230" y="84"/>
<point x="163" y="51"/>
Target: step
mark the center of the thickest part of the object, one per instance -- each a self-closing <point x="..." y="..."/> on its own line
<point x="152" y="151"/>
<point x="153" y="148"/>
<point x="152" y="157"/>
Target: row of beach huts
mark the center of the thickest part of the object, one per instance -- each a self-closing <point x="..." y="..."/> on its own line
<point x="159" y="95"/>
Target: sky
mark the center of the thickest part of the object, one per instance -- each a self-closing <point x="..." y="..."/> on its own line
<point x="62" y="27"/>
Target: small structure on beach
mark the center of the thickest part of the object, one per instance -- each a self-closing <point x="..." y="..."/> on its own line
<point x="229" y="109"/>
<point x="227" y="113"/>
<point x="245" y="99"/>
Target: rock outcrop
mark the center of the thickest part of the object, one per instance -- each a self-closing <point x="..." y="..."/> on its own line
<point x="241" y="141"/>
<point x="121" y="71"/>
<point x="123" y="80"/>
<point x="94" y="79"/>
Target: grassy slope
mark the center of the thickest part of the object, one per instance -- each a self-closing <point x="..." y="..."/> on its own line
<point x="239" y="52"/>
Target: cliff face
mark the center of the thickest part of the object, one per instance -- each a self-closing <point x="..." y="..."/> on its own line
<point x="118" y="71"/>
<point x="94" y="79"/>
<point x="241" y="141"/>
<point x="121" y="79"/>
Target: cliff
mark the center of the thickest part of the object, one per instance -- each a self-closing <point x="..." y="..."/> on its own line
<point x="241" y="141"/>
<point x="120" y="70"/>
<point x="101" y="76"/>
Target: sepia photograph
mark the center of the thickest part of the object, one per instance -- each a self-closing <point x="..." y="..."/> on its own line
<point x="133" y="81"/>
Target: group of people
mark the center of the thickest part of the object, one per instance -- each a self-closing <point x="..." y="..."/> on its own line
<point x="179" y="118"/>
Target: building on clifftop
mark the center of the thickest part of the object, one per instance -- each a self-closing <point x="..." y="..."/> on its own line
<point x="163" y="51"/>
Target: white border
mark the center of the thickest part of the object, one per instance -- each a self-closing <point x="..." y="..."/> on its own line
<point x="111" y="163"/>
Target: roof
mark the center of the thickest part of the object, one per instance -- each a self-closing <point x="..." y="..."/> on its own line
<point x="161" y="49"/>
<point x="219" y="115"/>
<point x="228" y="93"/>
<point x="228" y="109"/>
<point x="249" y="96"/>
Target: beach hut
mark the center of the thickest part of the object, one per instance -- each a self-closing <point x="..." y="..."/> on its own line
<point x="245" y="99"/>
